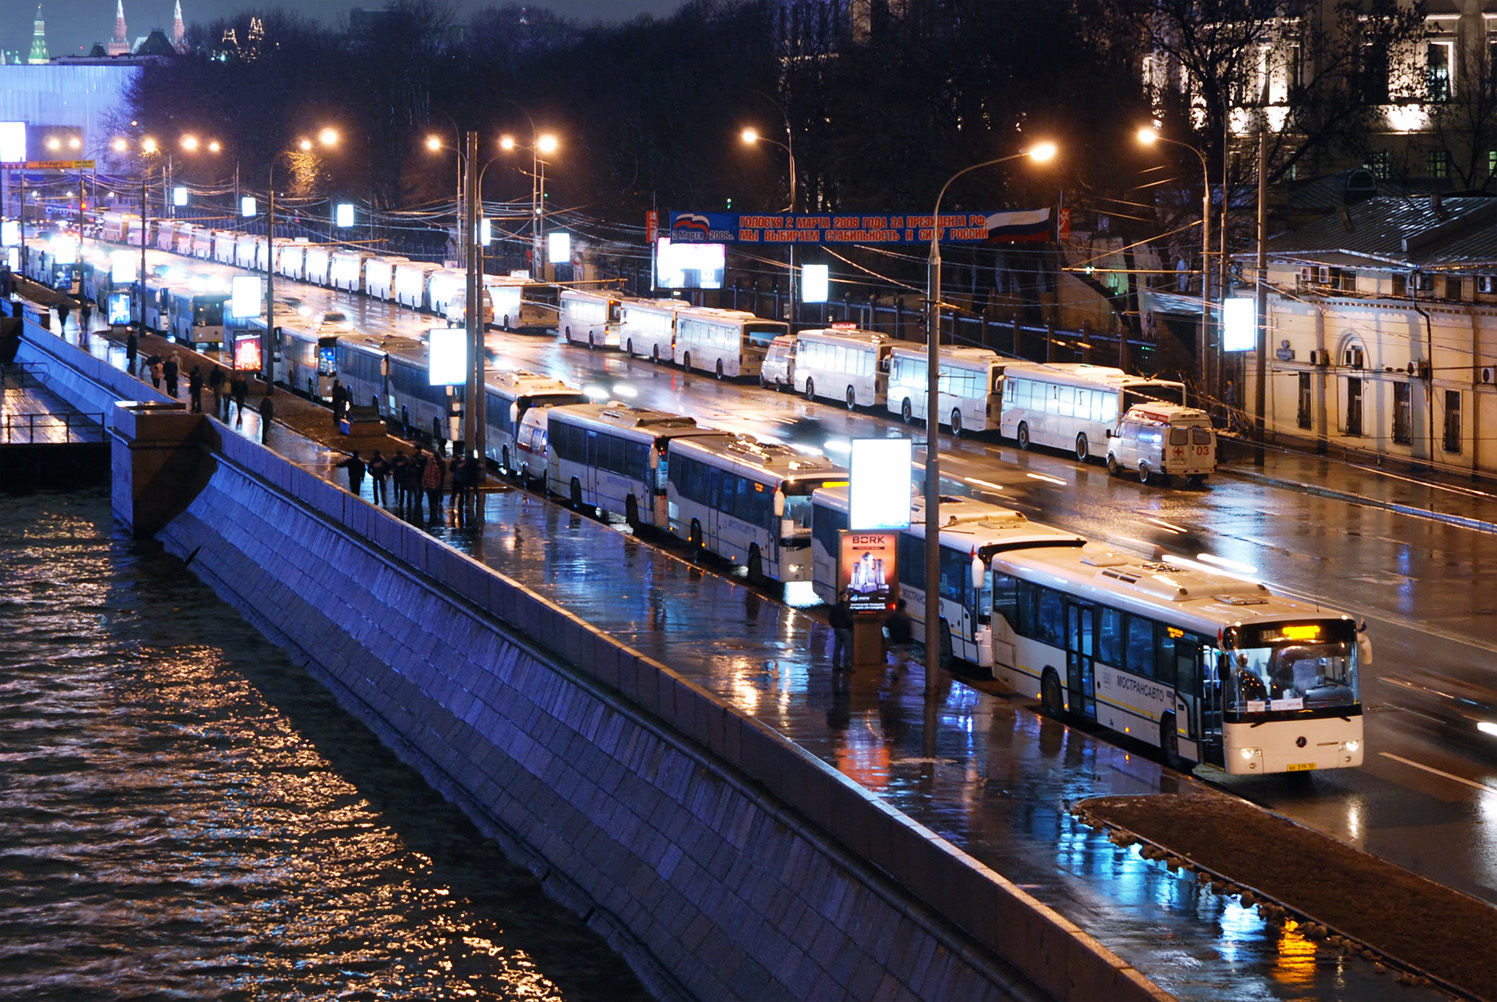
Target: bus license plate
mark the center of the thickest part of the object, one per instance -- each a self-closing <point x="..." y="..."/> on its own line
<point x="1299" y="767"/>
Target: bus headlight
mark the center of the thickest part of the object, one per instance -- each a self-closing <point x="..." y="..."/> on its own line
<point x="1252" y="757"/>
<point x="1351" y="746"/>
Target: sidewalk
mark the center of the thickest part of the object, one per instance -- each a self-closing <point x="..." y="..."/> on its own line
<point x="1445" y="497"/>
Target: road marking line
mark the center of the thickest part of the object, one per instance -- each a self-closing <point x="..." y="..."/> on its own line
<point x="1438" y="772"/>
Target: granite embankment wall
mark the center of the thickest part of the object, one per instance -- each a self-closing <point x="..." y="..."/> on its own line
<point x="720" y="859"/>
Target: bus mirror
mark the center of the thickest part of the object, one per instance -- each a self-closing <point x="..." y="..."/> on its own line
<point x="654" y="460"/>
<point x="514" y="413"/>
<point x="779" y="503"/>
<point x="1111" y="433"/>
<point x="977" y="572"/>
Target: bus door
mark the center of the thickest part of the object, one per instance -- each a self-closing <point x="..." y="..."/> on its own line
<point x="1081" y="634"/>
<point x="1208" y="721"/>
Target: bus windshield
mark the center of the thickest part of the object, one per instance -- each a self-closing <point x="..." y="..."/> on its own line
<point x="1293" y="666"/>
<point x="209" y="314"/>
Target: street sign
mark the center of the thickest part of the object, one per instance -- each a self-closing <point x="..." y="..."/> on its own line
<point x="48" y="165"/>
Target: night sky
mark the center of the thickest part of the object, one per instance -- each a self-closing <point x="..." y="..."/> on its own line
<point x="73" y="26"/>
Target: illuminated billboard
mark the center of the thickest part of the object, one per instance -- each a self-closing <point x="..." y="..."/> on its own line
<point x="247" y="205"/>
<point x="558" y="248"/>
<point x="244" y="300"/>
<point x="12" y="142"/>
<point x="815" y="282"/>
<point x="868" y="570"/>
<point x="689" y="266"/>
<point x="879" y="497"/>
<point x="344" y="215"/>
<point x="447" y="359"/>
<point x="1239" y="324"/>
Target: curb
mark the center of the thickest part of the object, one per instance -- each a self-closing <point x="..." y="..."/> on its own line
<point x="1475" y="524"/>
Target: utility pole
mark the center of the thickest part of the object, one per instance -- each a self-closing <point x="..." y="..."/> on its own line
<point x="474" y="399"/>
<point x="1260" y="390"/>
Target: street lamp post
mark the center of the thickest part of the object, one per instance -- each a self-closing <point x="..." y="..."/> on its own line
<point x="145" y="148"/>
<point x="750" y="137"/>
<point x="1040" y="152"/>
<point x="1148" y="137"/>
<point x="543" y="143"/>
<point x="270" y="343"/>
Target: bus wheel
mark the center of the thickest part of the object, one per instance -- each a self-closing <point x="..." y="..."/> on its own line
<point x="810" y="389"/>
<point x="504" y="461"/>
<point x="1022" y="435"/>
<point x="852" y="399"/>
<point x="694" y="538"/>
<point x="906" y="412"/>
<point x="755" y="565"/>
<point x="655" y="353"/>
<point x="590" y="345"/>
<point x="1196" y="479"/>
<point x="1169" y="742"/>
<point x="631" y="512"/>
<point x="567" y="333"/>
<point x="405" y="417"/>
<point x="686" y="360"/>
<point x="1051" y="703"/>
<point x="1082" y="453"/>
<point x="946" y="653"/>
<point x="629" y="346"/>
<point x="1143" y="472"/>
<point x="719" y="368"/>
<point x="506" y="322"/>
<point x="956" y="422"/>
<point x="1113" y="468"/>
<point x="576" y="494"/>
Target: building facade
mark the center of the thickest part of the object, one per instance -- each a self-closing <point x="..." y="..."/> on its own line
<point x="1382" y="333"/>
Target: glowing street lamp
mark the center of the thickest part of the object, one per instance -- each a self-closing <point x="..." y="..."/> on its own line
<point x="1148" y="137"/>
<point x="750" y="136"/>
<point x="1040" y="153"/>
<point x="270" y="346"/>
<point x="545" y="143"/>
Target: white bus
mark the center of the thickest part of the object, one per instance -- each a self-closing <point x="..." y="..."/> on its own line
<point x="182" y="238"/>
<point x="166" y="235"/>
<point x="507" y="396"/>
<point x="443" y="286"/>
<point x="1208" y="667"/>
<point x="244" y="250"/>
<point x="748" y="502"/>
<point x="592" y="317"/>
<point x="411" y="280"/>
<point x="521" y="304"/>
<point x="843" y="364"/>
<point x="730" y="344"/>
<point x="972" y="532"/>
<point x="202" y="243"/>
<point x="649" y="327"/>
<point x="309" y="360"/>
<point x="315" y="264"/>
<point x="223" y="246"/>
<point x="1073" y="405"/>
<point x="615" y="458"/>
<point x="346" y="270"/>
<point x="197" y="317"/>
<point x="379" y="277"/>
<point x="393" y="374"/>
<point x="290" y="258"/>
<point x="970" y="388"/>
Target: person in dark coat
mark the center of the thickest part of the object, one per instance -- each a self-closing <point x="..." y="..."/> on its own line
<point x="63" y="309"/>
<point x="169" y="371"/>
<point x="132" y="348"/>
<point x="355" y="467"/>
<point x="195" y="389"/>
<point x="85" y="314"/>
<point x="415" y="476"/>
<point x="840" y="618"/>
<point x="157" y="370"/>
<point x="267" y="414"/>
<point x="340" y="401"/>
<point x="900" y="628"/>
<point x="239" y="389"/>
<point x="431" y="482"/>
<point x="399" y="475"/>
<point x="216" y="380"/>
<point x="379" y="472"/>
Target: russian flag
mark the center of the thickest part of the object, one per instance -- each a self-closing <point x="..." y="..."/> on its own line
<point x="1024" y="226"/>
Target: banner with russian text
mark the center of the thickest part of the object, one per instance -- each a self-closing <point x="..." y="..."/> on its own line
<point x="787" y="228"/>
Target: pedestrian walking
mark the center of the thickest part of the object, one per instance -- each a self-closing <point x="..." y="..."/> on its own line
<point x="85" y="314"/>
<point x="431" y="482"/>
<point x="157" y="370"/>
<point x="239" y="389"/>
<point x="398" y="476"/>
<point x="356" y="468"/>
<point x="169" y="371"/>
<point x="132" y="348"/>
<point x="267" y="414"/>
<point x="379" y="472"/>
<point x="216" y="382"/>
<point x="195" y="390"/>
<point x="899" y="626"/>
<point x="63" y="309"/>
<point x="840" y="618"/>
<point x="415" y="476"/>
<point x="340" y="403"/>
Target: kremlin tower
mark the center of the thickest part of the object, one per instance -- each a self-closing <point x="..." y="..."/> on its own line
<point x="120" y="44"/>
<point x="39" y="39"/>
<point x="179" y="30"/>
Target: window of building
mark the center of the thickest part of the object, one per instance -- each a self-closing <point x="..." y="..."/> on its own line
<point x="1492" y="161"/>
<point x="1373" y="74"/>
<point x="1453" y="422"/>
<point x="1379" y="164"/>
<point x="1354" y="407"/>
<point x="1402" y="433"/>
<point x="1437" y="72"/>
<point x="1303" y="415"/>
<point x="1437" y="164"/>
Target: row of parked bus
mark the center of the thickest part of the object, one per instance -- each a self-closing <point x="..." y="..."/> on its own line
<point x="513" y="302"/>
<point x="1204" y="665"/>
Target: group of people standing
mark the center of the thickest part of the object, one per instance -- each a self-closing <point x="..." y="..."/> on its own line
<point x="420" y="474"/>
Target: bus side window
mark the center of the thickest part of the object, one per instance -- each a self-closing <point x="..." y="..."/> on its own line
<point x="1006" y="597"/>
<point x="1164" y="664"/>
<point x="1110" y="638"/>
<point x="1050" y="612"/>
<point x="1140" y="646"/>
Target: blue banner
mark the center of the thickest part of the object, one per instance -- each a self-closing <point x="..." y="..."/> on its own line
<point x="786" y="228"/>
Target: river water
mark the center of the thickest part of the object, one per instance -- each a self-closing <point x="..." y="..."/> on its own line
<point x="185" y="814"/>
